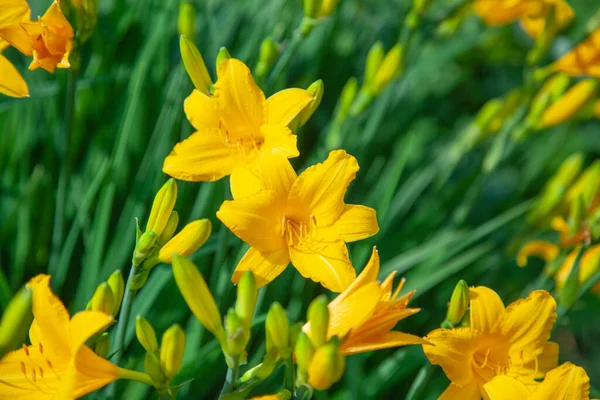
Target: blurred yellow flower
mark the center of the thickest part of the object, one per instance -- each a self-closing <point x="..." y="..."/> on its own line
<point x="12" y="14"/>
<point x="567" y="382"/>
<point x="11" y="82"/>
<point x="511" y="341"/>
<point x="532" y="14"/>
<point x="367" y="311"/>
<point x="583" y="59"/>
<point x="57" y="364"/>
<point x="234" y="127"/>
<point x="589" y="265"/>
<point x="300" y="218"/>
<point x="569" y="104"/>
<point x="545" y="250"/>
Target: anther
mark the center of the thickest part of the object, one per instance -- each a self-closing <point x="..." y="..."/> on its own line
<point x="33" y="376"/>
<point x="26" y="350"/>
<point x="23" y="369"/>
<point x="41" y="349"/>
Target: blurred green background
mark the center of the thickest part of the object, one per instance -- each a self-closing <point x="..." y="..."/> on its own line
<point x="442" y="217"/>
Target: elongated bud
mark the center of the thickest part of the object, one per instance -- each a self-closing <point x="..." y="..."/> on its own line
<point x="459" y="302"/>
<point x="347" y="97"/>
<point x="103" y="300"/>
<point x="154" y="370"/>
<point x="586" y="186"/>
<point x="237" y="334"/>
<point x="327" y="8"/>
<point x="577" y="215"/>
<point x="144" y="246"/>
<point x="571" y="103"/>
<point x="186" y="242"/>
<point x="374" y="60"/>
<point x="262" y="371"/>
<point x="163" y="205"/>
<point x="278" y="331"/>
<point x="169" y="230"/>
<point x="194" y="65"/>
<point x="198" y="297"/>
<point x="266" y="58"/>
<point x="316" y="90"/>
<point x="117" y="285"/>
<point x="389" y="68"/>
<point x="312" y="8"/>
<point x="87" y="16"/>
<point x="145" y="334"/>
<point x="326" y="366"/>
<point x="222" y="55"/>
<point x="172" y="348"/>
<point x="568" y="293"/>
<point x="102" y="346"/>
<point x="16" y="321"/>
<point x="318" y="316"/>
<point x="303" y="351"/>
<point x="551" y="90"/>
<point x="247" y="293"/>
<point x="186" y="20"/>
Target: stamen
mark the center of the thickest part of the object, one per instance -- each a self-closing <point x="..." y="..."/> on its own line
<point x="23" y="368"/>
<point x="33" y="376"/>
<point x="485" y="360"/>
<point x="41" y="372"/>
<point x="41" y="349"/>
<point x="26" y="350"/>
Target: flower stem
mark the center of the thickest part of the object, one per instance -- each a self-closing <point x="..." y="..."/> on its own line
<point x="135" y="376"/>
<point x="420" y="382"/>
<point x="232" y="374"/>
<point x="290" y="375"/>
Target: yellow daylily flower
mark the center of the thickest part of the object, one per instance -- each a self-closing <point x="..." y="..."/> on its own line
<point x="589" y="265"/>
<point x="58" y="364"/>
<point x="540" y="248"/>
<point x="11" y="82"/>
<point x="568" y="105"/>
<point x="510" y="341"/>
<point x="567" y="382"/>
<point x="234" y="127"/>
<point x="531" y="13"/>
<point x="51" y="39"/>
<point x="367" y="311"/>
<point x="12" y="13"/>
<point x="583" y="59"/>
<point x="302" y="219"/>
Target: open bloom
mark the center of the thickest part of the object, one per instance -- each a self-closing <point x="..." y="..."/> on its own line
<point x="300" y="218"/>
<point x="583" y="59"/>
<point x="57" y="364"/>
<point x="531" y="13"/>
<point x="234" y="127"/>
<point x="12" y="13"/>
<point x="567" y="382"/>
<point x="367" y="311"/>
<point x="510" y="341"/>
<point x="11" y="82"/>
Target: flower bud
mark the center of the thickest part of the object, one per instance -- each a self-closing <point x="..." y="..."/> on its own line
<point x="586" y="186"/>
<point x="262" y="371"/>
<point x="278" y="331"/>
<point x="247" y="293"/>
<point x="316" y="90"/>
<point x="266" y="58"/>
<point x="169" y="230"/>
<point x="237" y="335"/>
<point x="198" y="297"/>
<point x="145" y="334"/>
<point x="327" y="8"/>
<point x="186" y="20"/>
<point x="326" y="366"/>
<point x="318" y="316"/>
<point x="163" y="205"/>
<point x="374" y="60"/>
<point x="459" y="302"/>
<point x="222" y="55"/>
<point x="102" y="346"/>
<point x="154" y="370"/>
<point x="186" y="242"/>
<point x="568" y="292"/>
<point x="303" y="352"/>
<point x="572" y="102"/>
<point x="117" y="285"/>
<point x="551" y="90"/>
<point x="143" y="247"/>
<point x="312" y="8"/>
<point x="577" y="215"/>
<point x="16" y="321"/>
<point x="347" y="97"/>
<point x="172" y="348"/>
<point x="390" y="67"/>
<point x="194" y="65"/>
<point x="103" y="299"/>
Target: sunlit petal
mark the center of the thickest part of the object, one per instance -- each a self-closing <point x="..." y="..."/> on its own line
<point x="486" y="308"/>
<point x="265" y="266"/>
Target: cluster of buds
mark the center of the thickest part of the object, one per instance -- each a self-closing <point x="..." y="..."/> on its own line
<point x="106" y="299"/>
<point x="320" y="362"/>
<point x="458" y="306"/>
<point x="157" y="243"/>
<point x="315" y="10"/>
<point x="161" y="364"/>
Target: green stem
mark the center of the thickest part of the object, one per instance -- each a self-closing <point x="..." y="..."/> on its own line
<point x="420" y="382"/>
<point x="135" y="376"/>
<point x="232" y="374"/>
<point x="290" y="375"/>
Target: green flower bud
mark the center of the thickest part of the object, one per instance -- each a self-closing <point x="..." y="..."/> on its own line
<point x="103" y="299"/>
<point x="303" y="351"/>
<point x="316" y="89"/>
<point x="186" y="20"/>
<point x="318" y="316"/>
<point x="347" y="97"/>
<point x="145" y="334"/>
<point x="16" y="321"/>
<point x="326" y="366"/>
<point x="163" y="205"/>
<point x="222" y="55"/>
<point x="278" y="331"/>
<point x="247" y="293"/>
<point x="390" y="67"/>
<point x="102" y="346"/>
<point x="169" y="230"/>
<point x="186" y="242"/>
<point x="154" y="370"/>
<point x="311" y="8"/>
<point x="171" y="350"/>
<point x="266" y="58"/>
<point x="194" y="65"/>
<point x="459" y="302"/>
<point x="374" y="60"/>
<point x="144" y="246"/>
<point x="117" y="285"/>
<point x="237" y="335"/>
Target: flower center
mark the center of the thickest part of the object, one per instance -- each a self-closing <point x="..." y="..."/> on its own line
<point x="243" y="146"/>
<point x="299" y="233"/>
<point x="491" y="357"/>
<point x="35" y="369"/>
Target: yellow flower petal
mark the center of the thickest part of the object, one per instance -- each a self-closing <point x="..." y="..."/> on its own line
<point x="469" y="391"/>
<point x="15" y="384"/>
<point x="285" y="105"/>
<point x="281" y="138"/>
<point x="503" y="387"/>
<point x="486" y="308"/>
<point x="17" y="37"/>
<point x="567" y="382"/>
<point x="201" y="111"/>
<point x="534" y="24"/>
<point x="204" y="156"/>
<point x="245" y="180"/>
<point x="252" y="220"/>
<point x="265" y="266"/>
<point x="545" y="250"/>
<point x="271" y="171"/>
<point x="241" y="104"/>
<point x="527" y="323"/>
<point x="13" y="11"/>
<point x="590" y="263"/>
<point x="353" y="310"/>
<point x="355" y="223"/>
<point x="85" y="324"/>
<point x="583" y="59"/>
<point x="453" y="350"/>
<point x="326" y="263"/>
<point x="322" y="187"/>
<point x="569" y="104"/>
<point x="368" y="275"/>
<point x="11" y="82"/>
<point x="386" y="341"/>
<point x="535" y="365"/>
<point x="91" y="372"/>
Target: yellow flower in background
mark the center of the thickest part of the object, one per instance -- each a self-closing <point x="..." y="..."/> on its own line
<point x="11" y="82"/>
<point x="57" y="364"/>
<point x="567" y="382"/>
<point x="511" y="341"/>
<point x="540" y="248"/>
<point x="51" y="39"/>
<point x="569" y="104"/>
<point x="234" y="127"/>
<point x="589" y="265"/>
<point x="367" y="311"/>
<point x="583" y="59"/>
<point x="302" y="219"/>
<point x="532" y="14"/>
